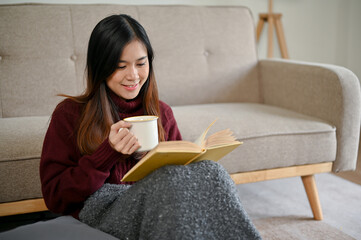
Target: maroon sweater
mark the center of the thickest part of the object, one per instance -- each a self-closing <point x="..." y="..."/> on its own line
<point x="68" y="178"/>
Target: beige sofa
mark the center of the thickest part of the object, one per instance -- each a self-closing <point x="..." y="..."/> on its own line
<point x="295" y="118"/>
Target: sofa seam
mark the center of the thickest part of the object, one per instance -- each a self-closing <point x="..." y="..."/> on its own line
<point x="19" y="159"/>
<point x="288" y="134"/>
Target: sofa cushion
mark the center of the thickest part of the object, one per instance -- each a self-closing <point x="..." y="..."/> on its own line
<point x="273" y="137"/>
<point x="22" y="137"/>
<point x="203" y="46"/>
<point x="20" y="180"/>
<point x="194" y="47"/>
<point x="21" y="141"/>
<point x="36" y="47"/>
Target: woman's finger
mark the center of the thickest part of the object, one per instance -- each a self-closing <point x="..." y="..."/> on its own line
<point x="117" y="132"/>
<point x="126" y="143"/>
<point x="134" y="148"/>
<point x="115" y="137"/>
<point x="116" y="127"/>
<point x="132" y="145"/>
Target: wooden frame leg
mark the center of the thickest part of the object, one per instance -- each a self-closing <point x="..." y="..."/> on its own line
<point x="311" y="190"/>
<point x="259" y="28"/>
<point x="270" y="37"/>
<point x="281" y="37"/>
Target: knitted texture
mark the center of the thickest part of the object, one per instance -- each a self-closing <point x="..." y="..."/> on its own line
<point x="197" y="201"/>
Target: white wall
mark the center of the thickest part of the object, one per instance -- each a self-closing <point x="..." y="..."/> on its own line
<point x="325" y="31"/>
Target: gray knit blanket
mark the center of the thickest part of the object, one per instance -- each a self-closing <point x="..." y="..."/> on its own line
<point x="197" y="201"/>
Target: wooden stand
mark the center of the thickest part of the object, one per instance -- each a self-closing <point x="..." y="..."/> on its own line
<point x="274" y="20"/>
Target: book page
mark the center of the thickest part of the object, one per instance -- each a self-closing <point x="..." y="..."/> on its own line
<point x="200" y="140"/>
<point x="220" y="138"/>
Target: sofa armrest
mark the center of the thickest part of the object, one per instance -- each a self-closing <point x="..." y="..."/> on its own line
<point x="328" y="92"/>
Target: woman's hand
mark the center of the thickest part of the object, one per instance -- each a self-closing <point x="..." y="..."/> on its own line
<point x="121" y="139"/>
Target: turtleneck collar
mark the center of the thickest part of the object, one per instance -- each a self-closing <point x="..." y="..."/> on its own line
<point x="127" y="108"/>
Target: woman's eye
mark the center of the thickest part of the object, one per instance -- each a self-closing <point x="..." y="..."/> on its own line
<point x="121" y="67"/>
<point x="141" y="64"/>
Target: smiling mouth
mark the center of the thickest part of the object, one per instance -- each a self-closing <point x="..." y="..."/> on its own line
<point x="131" y="87"/>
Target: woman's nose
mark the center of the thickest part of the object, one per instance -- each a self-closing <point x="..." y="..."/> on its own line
<point x="132" y="73"/>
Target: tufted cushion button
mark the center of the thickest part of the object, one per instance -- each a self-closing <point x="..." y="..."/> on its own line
<point x="206" y="53"/>
<point x="73" y="57"/>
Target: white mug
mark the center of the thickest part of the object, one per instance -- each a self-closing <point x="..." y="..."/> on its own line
<point x="145" y="128"/>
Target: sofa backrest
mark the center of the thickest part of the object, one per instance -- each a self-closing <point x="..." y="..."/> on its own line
<point x="202" y="54"/>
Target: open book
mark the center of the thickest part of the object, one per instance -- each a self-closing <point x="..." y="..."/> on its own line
<point x="213" y="148"/>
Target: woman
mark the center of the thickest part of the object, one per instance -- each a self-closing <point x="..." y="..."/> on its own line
<point x="88" y="149"/>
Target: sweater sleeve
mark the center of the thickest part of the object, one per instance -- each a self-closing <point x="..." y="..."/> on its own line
<point x="67" y="177"/>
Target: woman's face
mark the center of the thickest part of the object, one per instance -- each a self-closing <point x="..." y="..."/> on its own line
<point x="132" y="71"/>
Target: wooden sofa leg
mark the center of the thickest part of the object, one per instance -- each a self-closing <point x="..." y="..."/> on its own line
<point x="311" y="190"/>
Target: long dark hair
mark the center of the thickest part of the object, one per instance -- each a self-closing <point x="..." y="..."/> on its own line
<point x="105" y="48"/>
